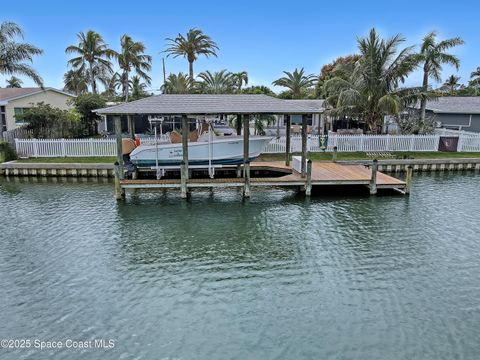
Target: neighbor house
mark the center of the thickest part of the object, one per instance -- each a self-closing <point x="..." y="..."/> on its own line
<point x="456" y="112"/>
<point x="14" y="102"/>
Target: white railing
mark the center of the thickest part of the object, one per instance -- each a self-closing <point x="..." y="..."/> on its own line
<point x="65" y="147"/>
<point x="362" y="143"/>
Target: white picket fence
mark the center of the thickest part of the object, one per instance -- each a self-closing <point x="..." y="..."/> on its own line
<point x="468" y="142"/>
<point x="65" y="147"/>
<point x="363" y="143"/>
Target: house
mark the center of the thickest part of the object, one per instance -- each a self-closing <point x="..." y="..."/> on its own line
<point x="456" y="112"/>
<point x="14" y="101"/>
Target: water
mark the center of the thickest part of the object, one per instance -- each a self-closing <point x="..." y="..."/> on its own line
<point x="277" y="277"/>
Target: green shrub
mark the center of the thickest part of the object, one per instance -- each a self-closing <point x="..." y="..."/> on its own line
<point x="6" y="152"/>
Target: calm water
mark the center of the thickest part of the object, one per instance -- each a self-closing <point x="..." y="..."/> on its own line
<point x="277" y="277"/>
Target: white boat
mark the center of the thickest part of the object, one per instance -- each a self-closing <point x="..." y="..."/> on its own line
<point x="207" y="150"/>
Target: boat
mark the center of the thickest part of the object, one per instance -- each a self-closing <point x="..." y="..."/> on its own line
<point x="206" y="149"/>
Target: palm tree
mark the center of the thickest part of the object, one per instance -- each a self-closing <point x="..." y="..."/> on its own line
<point x="451" y="84"/>
<point x="130" y="58"/>
<point x="475" y="78"/>
<point x="177" y="84"/>
<point x="14" y="82"/>
<point x="240" y="79"/>
<point x="433" y="55"/>
<point x="75" y="82"/>
<point x="219" y="82"/>
<point x="372" y="89"/>
<point x="297" y="82"/>
<point x="190" y="47"/>
<point x="93" y="52"/>
<point x="139" y="88"/>
<point x="13" y="54"/>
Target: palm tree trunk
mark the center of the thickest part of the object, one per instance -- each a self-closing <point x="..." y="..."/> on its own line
<point x="92" y="79"/>
<point x="423" y="102"/>
<point x="190" y="70"/>
<point x="126" y="86"/>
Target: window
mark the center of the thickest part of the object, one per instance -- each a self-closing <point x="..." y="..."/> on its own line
<point x="19" y="119"/>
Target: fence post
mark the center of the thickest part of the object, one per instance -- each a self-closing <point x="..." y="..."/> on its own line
<point x="460" y="142"/>
<point x="16" y="146"/>
<point x="362" y="140"/>
<point x="412" y="142"/>
<point x="334" y="155"/>
<point x="64" y="153"/>
<point x="387" y="144"/>
<point x="91" y="147"/>
<point x="35" y="147"/>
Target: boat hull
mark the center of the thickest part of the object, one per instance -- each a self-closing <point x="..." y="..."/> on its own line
<point x="228" y="151"/>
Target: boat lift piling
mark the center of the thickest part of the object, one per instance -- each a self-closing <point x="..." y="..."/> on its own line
<point x="246" y="156"/>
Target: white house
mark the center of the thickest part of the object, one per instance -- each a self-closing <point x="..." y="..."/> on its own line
<point x="14" y="101"/>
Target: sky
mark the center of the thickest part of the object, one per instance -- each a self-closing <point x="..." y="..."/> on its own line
<point x="263" y="38"/>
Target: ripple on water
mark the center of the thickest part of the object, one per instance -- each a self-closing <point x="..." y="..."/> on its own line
<point x="275" y="277"/>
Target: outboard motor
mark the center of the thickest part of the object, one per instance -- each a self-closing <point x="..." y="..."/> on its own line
<point x="128" y="145"/>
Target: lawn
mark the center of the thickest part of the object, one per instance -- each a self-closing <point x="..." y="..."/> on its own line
<point x="70" y="160"/>
<point x="280" y="157"/>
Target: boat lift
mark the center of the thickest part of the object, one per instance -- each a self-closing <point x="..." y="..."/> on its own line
<point x="160" y="170"/>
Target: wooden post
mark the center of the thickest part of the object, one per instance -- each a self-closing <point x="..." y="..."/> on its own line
<point x="239" y="132"/>
<point x="408" y="180"/>
<point x="131" y="127"/>
<point x="119" y="191"/>
<point x="184" y="168"/>
<point x="118" y="135"/>
<point x="287" y="139"/>
<point x="308" y="184"/>
<point x="246" y="155"/>
<point x="334" y="155"/>
<point x="304" y="144"/>
<point x="239" y="124"/>
<point x="373" y="179"/>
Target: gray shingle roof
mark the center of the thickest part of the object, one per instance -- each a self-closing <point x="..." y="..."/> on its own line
<point x="198" y="104"/>
<point x="316" y="104"/>
<point x="455" y="105"/>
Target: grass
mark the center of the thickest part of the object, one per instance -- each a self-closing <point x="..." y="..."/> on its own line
<point x="363" y="156"/>
<point x="280" y="157"/>
<point x="70" y="160"/>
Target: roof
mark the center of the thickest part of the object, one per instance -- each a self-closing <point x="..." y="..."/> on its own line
<point x="9" y="94"/>
<point x="199" y="104"/>
<point x="455" y="105"/>
<point x="316" y="104"/>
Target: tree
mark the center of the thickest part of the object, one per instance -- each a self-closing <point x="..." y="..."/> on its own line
<point x="196" y="43"/>
<point x="137" y="87"/>
<point x="93" y="56"/>
<point x="341" y="67"/>
<point x="451" y="84"/>
<point x="258" y="89"/>
<point x="46" y="121"/>
<point x="75" y="82"/>
<point x="85" y="104"/>
<point x="433" y="55"/>
<point x="372" y="89"/>
<point x="297" y="82"/>
<point x="132" y="58"/>
<point x="475" y="79"/>
<point x="14" y="82"/>
<point x="219" y="82"/>
<point x="13" y="55"/>
<point x="240" y="79"/>
<point x="177" y="84"/>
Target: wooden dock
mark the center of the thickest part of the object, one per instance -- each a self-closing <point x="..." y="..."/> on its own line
<point x="322" y="174"/>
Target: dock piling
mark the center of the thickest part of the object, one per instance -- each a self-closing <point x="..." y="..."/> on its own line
<point x="334" y="154"/>
<point x="287" y="139"/>
<point x="184" y="168"/>
<point x="119" y="191"/>
<point x="373" y="179"/>
<point x="304" y="145"/>
<point x="308" y="184"/>
<point x="246" y="189"/>
<point x="408" y="180"/>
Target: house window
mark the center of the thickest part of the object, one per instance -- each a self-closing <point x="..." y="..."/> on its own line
<point x="19" y="119"/>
